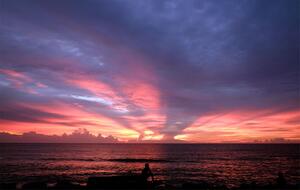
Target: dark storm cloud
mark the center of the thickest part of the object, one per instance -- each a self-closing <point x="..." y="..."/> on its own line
<point x="206" y="56"/>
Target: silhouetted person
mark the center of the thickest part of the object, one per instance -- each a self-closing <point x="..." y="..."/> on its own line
<point x="281" y="182"/>
<point x="146" y="173"/>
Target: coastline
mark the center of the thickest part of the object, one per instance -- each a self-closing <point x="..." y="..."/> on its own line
<point x="134" y="182"/>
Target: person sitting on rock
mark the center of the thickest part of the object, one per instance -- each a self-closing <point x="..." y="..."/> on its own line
<point x="281" y="182"/>
<point x="146" y="173"/>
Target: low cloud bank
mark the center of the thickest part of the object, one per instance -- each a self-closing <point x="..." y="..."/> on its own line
<point x="78" y="136"/>
<point x="84" y="136"/>
<point x="277" y="141"/>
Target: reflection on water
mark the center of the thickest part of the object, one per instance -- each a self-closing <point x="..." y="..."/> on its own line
<point x="224" y="163"/>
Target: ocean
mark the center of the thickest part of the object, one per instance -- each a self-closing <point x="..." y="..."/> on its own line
<point x="229" y="164"/>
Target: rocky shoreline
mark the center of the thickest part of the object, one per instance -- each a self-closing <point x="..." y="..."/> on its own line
<point x="134" y="182"/>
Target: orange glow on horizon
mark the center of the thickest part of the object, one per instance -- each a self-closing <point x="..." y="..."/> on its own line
<point x="242" y="126"/>
<point x="230" y="127"/>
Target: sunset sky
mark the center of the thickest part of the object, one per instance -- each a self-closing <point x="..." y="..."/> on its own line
<point x="199" y="71"/>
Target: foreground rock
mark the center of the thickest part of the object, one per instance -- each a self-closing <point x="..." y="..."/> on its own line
<point x="135" y="182"/>
<point x="118" y="182"/>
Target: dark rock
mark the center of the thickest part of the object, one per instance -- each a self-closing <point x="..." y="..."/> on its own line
<point x="35" y="185"/>
<point x="221" y="187"/>
<point x="8" y="186"/>
<point x="117" y="182"/>
<point x="198" y="186"/>
<point x="65" y="184"/>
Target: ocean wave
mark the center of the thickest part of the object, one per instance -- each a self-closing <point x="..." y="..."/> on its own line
<point x="131" y="160"/>
<point x="139" y="160"/>
<point x="68" y="159"/>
